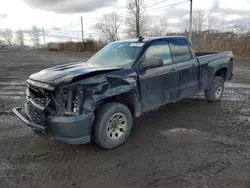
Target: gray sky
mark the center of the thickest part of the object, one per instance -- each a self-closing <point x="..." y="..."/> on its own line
<point x="54" y="16"/>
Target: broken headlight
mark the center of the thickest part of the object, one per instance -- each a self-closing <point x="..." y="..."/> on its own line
<point x="73" y="102"/>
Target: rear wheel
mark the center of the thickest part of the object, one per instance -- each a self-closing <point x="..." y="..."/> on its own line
<point x="214" y="94"/>
<point x="112" y="125"/>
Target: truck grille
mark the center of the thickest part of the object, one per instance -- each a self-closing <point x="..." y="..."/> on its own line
<point x="36" y="117"/>
<point x="39" y="99"/>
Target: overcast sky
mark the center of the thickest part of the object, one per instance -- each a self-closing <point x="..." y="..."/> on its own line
<point x="53" y="15"/>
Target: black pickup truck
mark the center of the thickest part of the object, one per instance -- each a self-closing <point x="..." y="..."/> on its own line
<point x="97" y="100"/>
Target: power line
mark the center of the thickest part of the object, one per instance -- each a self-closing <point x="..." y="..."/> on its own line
<point x="170" y="5"/>
<point x="63" y="27"/>
<point x="147" y="10"/>
<point x="162" y="8"/>
<point x="67" y="27"/>
<point x="69" y="24"/>
<point x="156" y="4"/>
<point x="127" y="14"/>
<point x="101" y="18"/>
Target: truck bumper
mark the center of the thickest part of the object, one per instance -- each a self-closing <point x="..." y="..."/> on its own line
<point x="72" y="129"/>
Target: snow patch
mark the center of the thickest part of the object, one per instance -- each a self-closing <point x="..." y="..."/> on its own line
<point x="236" y="85"/>
<point x="12" y="97"/>
<point x="12" y="93"/>
<point x="12" y="83"/>
<point x="13" y="87"/>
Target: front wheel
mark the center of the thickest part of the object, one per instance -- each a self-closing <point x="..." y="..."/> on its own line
<point x="112" y="125"/>
<point x="214" y="94"/>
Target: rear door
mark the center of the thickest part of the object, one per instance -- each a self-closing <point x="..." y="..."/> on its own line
<point x="159" y="85"/>
<point x="187" y="65"/>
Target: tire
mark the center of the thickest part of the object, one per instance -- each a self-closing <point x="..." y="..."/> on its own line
<point x="109" y="115"/>
<point x="214" y="94"/>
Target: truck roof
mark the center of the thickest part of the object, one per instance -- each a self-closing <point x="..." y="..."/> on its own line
<point x="149" y="39"/>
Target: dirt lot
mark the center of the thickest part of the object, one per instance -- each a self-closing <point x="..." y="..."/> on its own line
<point x="191" y="143"/>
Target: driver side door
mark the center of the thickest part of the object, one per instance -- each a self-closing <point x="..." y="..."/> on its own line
<point x="159" y="85"/>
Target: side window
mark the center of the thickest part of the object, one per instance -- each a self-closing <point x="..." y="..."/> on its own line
<point x="180" y="50"/>
<point x="159" y="49"/>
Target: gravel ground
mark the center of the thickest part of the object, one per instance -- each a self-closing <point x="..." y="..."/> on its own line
<point x="191" y="143"/>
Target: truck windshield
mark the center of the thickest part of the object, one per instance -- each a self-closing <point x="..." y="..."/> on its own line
<point x="117" y="54"/>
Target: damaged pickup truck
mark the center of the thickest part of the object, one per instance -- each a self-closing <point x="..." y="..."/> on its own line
<point x="97" y="100"/>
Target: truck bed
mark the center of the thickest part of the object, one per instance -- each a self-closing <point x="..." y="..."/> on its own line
<point x="210" y="61"/>
<point x="206" y="57"/>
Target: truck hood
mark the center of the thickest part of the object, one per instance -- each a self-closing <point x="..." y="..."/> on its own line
<point x="66" y="73"/>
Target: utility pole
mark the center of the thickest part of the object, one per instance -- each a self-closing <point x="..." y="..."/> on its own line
<point x="82" y="35"/>
<point x="190" y="20"/>
<point x="137" y="18"/>
<point x="82" y="30"/>
<point x="43" y="37"/>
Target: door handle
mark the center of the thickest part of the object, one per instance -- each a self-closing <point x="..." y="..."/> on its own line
<point x="172" y="70"/>
<point x="193" y="65"/>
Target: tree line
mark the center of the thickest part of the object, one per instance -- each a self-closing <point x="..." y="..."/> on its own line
<point x="9" y="37"/>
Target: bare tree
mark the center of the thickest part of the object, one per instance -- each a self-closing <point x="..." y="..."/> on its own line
<point x="108" y="26"/>
<point x="1" y="40"/>
<point x="7" y="35"/>
<point x="159" y="29"/>
<point x="20" y="37"/>
<point x="240" y="29"/>
<point x="221" y="26"/>
<point x="211" y="21"/>
<point x="35" y="35"/>
<point x="137" y="21"/>
<point x="199" y="18"/>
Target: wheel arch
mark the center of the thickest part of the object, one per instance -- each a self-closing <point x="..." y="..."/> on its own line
<point x="222" y="72"/>
<point x="129" y="99"/>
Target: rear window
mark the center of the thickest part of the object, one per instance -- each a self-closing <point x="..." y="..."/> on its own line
<point x="180" y="50"/>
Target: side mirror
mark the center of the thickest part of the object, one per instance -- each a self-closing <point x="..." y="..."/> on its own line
<point x="148" y="63"/>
